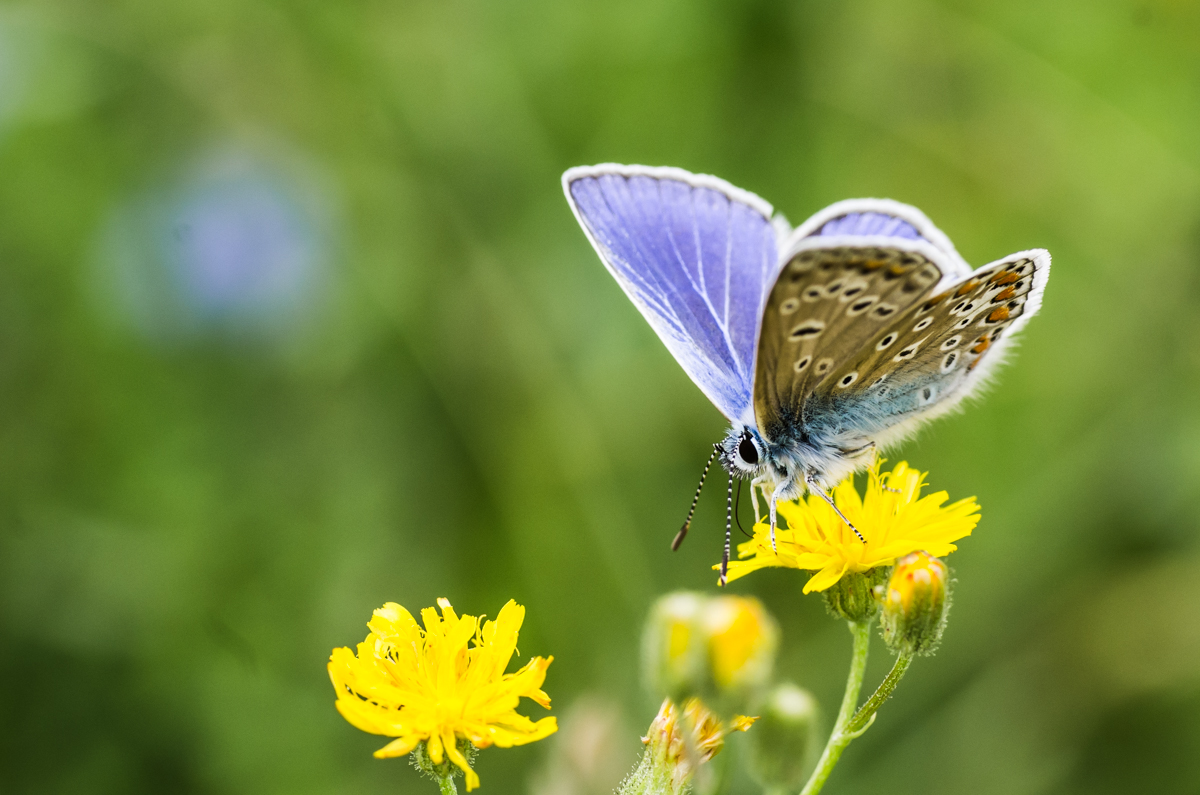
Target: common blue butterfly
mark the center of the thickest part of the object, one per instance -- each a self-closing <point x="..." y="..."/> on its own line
<point x="821" y="343"/>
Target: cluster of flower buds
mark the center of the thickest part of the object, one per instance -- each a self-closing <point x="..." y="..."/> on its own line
<point x="915" y="603"/>
<point x="718" y="652"/>
<point x="678" y="742"/>
<point x="720" y="649"/>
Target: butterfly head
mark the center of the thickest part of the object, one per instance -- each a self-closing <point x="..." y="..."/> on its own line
<point x="779" y="468"/>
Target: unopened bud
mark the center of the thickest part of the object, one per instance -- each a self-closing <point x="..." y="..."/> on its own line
<point x="784" y="742"/>
<point x="721" y="649"/>
<point x="915" y="601"/>
<point x="742" y="641"/>
<point x="674" y="649"/>
<point x="853" y="596"/>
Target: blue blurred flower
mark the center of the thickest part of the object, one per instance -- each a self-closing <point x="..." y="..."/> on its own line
<point x="239" y="245"/>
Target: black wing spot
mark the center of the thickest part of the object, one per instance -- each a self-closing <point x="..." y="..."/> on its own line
<point x="861" y="305"/>
<point x="809" y="329"/>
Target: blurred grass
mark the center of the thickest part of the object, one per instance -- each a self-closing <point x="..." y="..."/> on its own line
<point x="191" y="516"/>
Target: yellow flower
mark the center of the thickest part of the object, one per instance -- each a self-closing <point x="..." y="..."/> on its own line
<point x="893" y="518"/>
<point x="440" y="683"/>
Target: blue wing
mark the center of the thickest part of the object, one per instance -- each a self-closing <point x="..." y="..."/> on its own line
<point x="884" y="218"/>
<point x="697" y="257"/>
<point x="869" y="224"/>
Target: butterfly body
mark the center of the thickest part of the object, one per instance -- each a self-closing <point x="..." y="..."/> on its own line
<point x="821" y="344"/>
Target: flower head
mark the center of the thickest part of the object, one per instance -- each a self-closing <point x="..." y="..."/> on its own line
<point x="893" y="517"/>
<point x="441" y="683"/>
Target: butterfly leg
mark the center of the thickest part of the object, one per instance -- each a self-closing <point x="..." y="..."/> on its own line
<point x="854" y="452"/>
<point x="773" y="500"/>
<point x="754" y="486"/>
<point x="815" y="488"/>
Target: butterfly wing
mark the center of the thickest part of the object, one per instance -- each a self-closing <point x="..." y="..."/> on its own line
<point x="885" y="218"/>
<point x="834" y="294"/>
<point x="932" y="355"/>
<point x="695" y="255"/>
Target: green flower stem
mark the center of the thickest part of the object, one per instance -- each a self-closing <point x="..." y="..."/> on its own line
<point x="840" y="738"/>
<point x="446" y="784"/>
<point x="862" y="718"/>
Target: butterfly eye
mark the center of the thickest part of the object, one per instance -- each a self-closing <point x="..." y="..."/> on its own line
<point x="747" y="450"/>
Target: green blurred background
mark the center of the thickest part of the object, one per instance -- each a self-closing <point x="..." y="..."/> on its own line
<point x="294" y="319"/>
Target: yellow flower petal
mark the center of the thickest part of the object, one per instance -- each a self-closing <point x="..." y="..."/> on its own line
<point x="399" y="747"/>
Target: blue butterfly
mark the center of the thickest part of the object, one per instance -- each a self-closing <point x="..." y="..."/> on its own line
<point x="820" y="344"/>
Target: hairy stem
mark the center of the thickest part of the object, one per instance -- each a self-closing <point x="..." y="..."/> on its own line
<point x="839" y="738"/>
<point x="446" y="785"/>
<point x="882" y="693"/>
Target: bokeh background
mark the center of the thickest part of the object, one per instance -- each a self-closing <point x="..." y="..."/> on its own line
<point x="294" y="320"/>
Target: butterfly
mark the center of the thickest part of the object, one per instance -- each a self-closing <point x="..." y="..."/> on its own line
<point x="820" y="344"/>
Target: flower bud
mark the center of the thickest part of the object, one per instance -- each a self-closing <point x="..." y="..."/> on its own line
<point x="784" y="743"/>
<point x="720" y="648"/>
<point x="742" y="641"/>
<point x="915" y="600"/>
<point x="674" y="648"/>
<point x="853" y="596"/>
